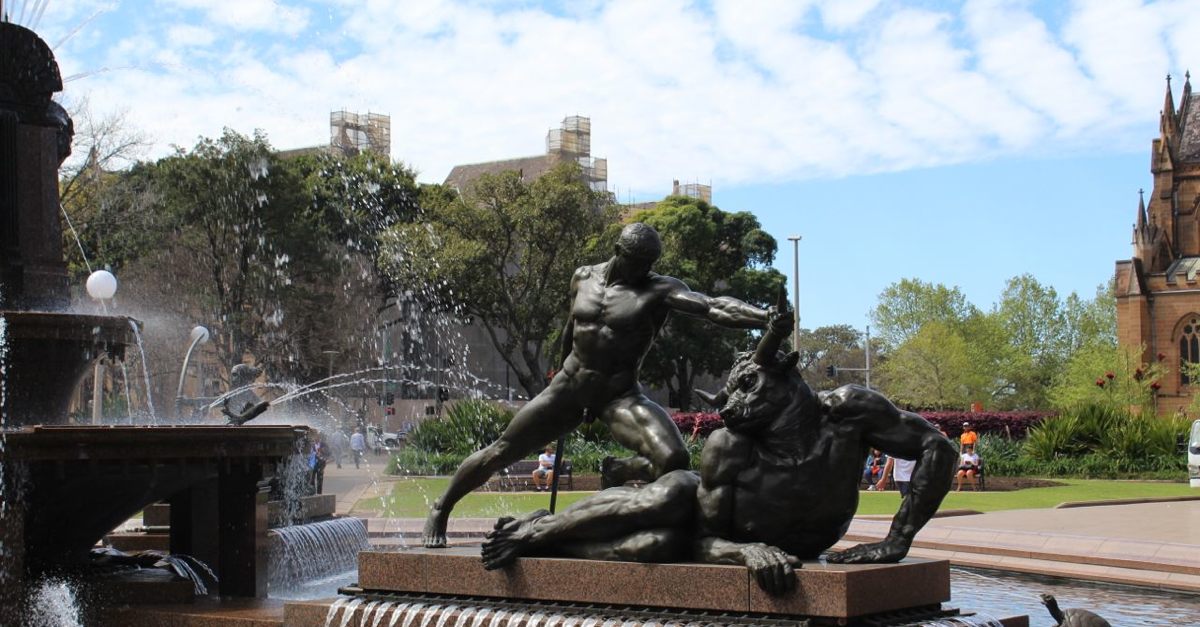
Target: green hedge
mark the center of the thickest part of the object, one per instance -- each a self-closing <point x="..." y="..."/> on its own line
<point x="1091" y="442"/>
<point x="437" y="446"/>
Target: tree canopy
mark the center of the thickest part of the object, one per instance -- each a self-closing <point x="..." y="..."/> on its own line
<point x="720" y="254"/>
<point x="942" y="351"/>
<point x="501" y="255"/>
<point x="274" y="256"/>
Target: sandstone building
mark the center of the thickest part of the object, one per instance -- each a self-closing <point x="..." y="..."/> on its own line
<point x="1158" y="290"/>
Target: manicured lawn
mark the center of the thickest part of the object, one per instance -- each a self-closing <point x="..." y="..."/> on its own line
<point x="1035" y="498"/>
<point x="410" y="498"/>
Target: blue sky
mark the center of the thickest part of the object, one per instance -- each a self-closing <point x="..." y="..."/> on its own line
<point x="958" y="142"/>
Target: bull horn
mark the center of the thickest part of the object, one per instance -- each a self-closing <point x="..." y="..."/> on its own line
<point x="713" y="400"/>
<point x="769" y="345"/>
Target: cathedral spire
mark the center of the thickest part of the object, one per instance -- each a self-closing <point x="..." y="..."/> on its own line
<point x="1141" y="212"/>
<point x="1168" y="124"/>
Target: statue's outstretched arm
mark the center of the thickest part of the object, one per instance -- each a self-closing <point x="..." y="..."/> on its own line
<point x="726" y="311"/>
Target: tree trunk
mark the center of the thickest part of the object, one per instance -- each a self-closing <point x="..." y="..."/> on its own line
<point x="683" y="391"/>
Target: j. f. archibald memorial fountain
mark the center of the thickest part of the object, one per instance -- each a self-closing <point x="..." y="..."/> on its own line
<point x="744" y="540"/>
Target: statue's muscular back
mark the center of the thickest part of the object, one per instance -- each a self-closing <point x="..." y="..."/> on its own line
<point x="808" y="484"/>
<point x="615" y="324"/>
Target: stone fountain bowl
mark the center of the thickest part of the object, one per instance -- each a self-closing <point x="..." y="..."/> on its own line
<point x="46" y="355"/>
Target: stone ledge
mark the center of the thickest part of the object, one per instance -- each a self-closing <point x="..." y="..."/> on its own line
<point x="825" y="590"/>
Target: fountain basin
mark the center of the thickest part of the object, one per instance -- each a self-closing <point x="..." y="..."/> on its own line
<point x="48" y="354"/>
<point x="68" y="486"/>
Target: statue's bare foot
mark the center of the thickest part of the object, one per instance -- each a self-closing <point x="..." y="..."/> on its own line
<point x="509" y="539"/>
<point x="434" y="536"/>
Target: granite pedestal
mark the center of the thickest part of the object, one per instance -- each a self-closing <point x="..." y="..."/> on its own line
<point x="448" y="581"/>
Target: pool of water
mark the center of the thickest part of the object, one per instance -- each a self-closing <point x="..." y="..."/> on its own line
<point x="1006" y="594"/>
<point x="323" y="588"/>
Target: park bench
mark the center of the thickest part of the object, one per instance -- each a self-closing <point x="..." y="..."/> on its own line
<point x="517" y="476"/>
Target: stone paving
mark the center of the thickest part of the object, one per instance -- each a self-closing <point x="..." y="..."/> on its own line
<point x="1146" y="544"/>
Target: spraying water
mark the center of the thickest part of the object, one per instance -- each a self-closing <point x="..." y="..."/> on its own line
<point x="54" y="604"/>
<point x="137" y="333"/>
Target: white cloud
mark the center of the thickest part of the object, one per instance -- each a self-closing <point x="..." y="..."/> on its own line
<point x="188" y="35"/>
<point x="744" y="92"/>
<point x="844" y="14"/>
<point x="244" y="15"/>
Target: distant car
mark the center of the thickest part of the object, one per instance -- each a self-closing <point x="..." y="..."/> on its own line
<point x="381" y="440"/>
<point x="1194" y="455"/>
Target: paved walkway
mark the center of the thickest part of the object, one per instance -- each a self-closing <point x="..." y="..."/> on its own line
<point x="352" y="484"/>
<point x="1145" y="544"/>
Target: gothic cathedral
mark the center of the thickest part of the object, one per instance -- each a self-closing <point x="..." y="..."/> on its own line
<point x="1157" y="291"/>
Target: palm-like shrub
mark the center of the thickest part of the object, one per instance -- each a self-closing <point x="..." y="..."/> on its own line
<point x="1102" y="441"/>
<point x="468" y="426"/>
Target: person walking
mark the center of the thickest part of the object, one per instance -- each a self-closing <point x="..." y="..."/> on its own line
<point x="358" y="446"/>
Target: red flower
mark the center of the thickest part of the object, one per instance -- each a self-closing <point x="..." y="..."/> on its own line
<point x="1099" y="383"/>
<point x="1137" y="374"/>
<point x="1110" y="375"/>
<point x="1155" y="385"/>
<point x="1161" y="356"/>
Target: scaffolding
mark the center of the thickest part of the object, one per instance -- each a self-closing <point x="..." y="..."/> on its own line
<point x="698" y="191"/>
<point x="574" y="137"/>
<point x="352" y="133"/>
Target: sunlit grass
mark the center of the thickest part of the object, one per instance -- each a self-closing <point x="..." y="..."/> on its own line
<point x="411" y="498"/>
<point x="1035" y="498"/>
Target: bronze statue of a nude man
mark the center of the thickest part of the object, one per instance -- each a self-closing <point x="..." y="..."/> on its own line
<point x="617" y="309"/>
<point x="779" y="483"/>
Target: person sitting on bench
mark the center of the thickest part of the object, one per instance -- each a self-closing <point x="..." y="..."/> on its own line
<point x="544" y="473"/>
<point x="968" y="467"/>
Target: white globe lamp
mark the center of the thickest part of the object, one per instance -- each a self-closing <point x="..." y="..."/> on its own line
<point x="199" y="335"/>
<point x="101" y="285"/>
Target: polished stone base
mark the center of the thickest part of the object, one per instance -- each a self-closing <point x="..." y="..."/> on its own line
<point x="825" y="590"/>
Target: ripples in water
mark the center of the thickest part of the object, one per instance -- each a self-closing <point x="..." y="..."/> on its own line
<point x="1007" y="594"/>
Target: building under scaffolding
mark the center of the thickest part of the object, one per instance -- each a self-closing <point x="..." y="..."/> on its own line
<point x="352" y="133"/>
<point x="572" y="141"/>
<point x="698" y="191"/>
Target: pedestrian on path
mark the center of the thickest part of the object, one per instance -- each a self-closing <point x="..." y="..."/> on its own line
<point x="358" y="446"/>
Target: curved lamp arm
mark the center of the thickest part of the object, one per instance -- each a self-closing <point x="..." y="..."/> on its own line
<point x="199" y="336"/>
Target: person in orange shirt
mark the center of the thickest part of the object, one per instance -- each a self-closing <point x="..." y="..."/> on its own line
<point x="968" y="436"/>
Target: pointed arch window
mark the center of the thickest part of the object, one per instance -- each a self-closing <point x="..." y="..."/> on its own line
<point x="1189" y="349"/>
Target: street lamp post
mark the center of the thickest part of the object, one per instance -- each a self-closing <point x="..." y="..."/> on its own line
<point x="330" y="354"/>
<point x="795" y="239"/>
<point x="329" y="374"/>
<point x="101" y="285"/>
<point x="199" y="335"/>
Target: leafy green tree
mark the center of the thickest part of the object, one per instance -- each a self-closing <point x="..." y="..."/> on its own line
<point x="838" y="345"/>
<point x="1032" y="320"/>
<point x="502" y="255"/>
<point x="932" y="369"/>
<point x="907" y="305"/>
<point x="1090" y="321"/>
<point x="720" y="254"/>
<point x="242" y="221"/>
<point x="276" y="256"/>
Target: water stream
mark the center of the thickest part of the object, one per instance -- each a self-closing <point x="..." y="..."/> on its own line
<point x="137" y="333"/>
<point x="303" y="553"/>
